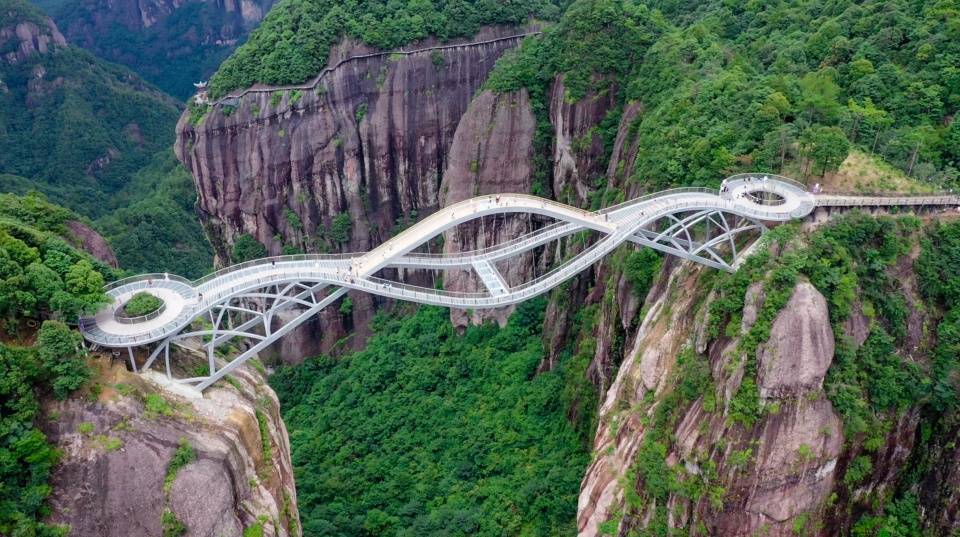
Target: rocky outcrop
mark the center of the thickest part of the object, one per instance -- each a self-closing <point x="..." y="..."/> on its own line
<point x="781" y="468"/>
<point x="370" y="144"/>
<point x="667" y="325"/>
<point x="92" y="242"/>
<point x="800" y="347"/>
<point x="115" y="477"/>
<point x="577" y="150"/>
<point x="26" y="38"/>
<point x="492" y="152"/>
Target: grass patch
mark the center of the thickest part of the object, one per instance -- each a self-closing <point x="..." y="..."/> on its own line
<point x="172" y="526"/>
<point x="182" y="456"/>
<point x="156" y="406"/>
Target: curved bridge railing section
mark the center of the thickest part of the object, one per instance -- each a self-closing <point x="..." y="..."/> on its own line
<point x="245" y="300"/>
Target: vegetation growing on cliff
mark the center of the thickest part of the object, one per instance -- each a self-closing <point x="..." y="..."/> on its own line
<point x="848" y="261"/>
<point x="857" y="264"/>
<point x="293" y="41"/>
<point x="93" y="137"/>
<point x="427" y="432"/>
<point x="783" y="87"/>
<point x="41" y="277"/>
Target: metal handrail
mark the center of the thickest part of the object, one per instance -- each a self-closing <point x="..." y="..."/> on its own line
<point x="147" y="277"/>
<point x="123" y="319"/>
<point x="312" y="84"/>
<point x="618" y="222"/>
<point x="782" y="179"/>
<point x="860" y="201"/>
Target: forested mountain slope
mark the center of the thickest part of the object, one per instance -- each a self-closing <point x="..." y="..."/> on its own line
<point x="42" y="278"/>
<point x="707" y="423"/>
<point x="294" y="41"/>
<point x="94" y="137"/>
<point x="171" y="44"/>
<point x="88" y="448"/>
<point x="73" y="124"/>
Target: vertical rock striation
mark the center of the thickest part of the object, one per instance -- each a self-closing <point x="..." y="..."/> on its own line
<point x="370" y="142"/>
<point x="492" y="152"/>
<point x="115" y="480"/>
<point x="780" y="469"/>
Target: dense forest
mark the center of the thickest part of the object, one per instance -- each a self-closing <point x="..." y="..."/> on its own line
<point x="793" y="87"/>
<point x="182" y="42"/>
<point x="293" y="42"/>
<point x="44" y="283"/>
<point x="430" y="432"/>
<point x="786" y="87"/>
<point x="870" y="386"/>
<point x="94" y="137"/>
<point x="81" y="127"/>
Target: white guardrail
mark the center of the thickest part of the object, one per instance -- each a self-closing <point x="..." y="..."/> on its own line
<point x="355" y="270"/>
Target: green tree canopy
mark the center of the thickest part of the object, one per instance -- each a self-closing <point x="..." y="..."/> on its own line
<point x="826" y="146"/>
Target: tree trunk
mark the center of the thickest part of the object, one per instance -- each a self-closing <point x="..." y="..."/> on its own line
<point x="913" y="158"/>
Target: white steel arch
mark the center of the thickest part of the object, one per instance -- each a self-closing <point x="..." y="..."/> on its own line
<point x="241" y="301"/>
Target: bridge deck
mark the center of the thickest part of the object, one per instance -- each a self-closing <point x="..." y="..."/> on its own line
<point x="664" y="220"/>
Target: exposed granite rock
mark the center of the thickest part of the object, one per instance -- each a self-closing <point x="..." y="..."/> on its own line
<point x="372" y="142"/>
<point x="857" y="325"/>
<point x="620" y="432"/>
<point x="578" y="150"/>
<point x="794" y="451"/>
<point x="940" y="492"/>
<point x="116" y="452"/>
<point x="92" y="242"/>
<point x="27" y="38"/>
<point x="800" y="347"/>
<point x="491" y="153"/>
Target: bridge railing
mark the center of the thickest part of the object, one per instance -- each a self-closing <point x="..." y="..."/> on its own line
<point x="834" y="200"/>
<point x="535" y="235"/>
<point x="273" y="260"/>
<point x="157" y="276"/>
<point x="758" y="175"/>
<point x="141" y="318"/>
<point x="262" y="272"/>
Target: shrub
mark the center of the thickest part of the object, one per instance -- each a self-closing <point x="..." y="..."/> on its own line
<point x="182" y="456"/>
<point x="156" y="406"/>
<point x="142" y="303"/>
<point x="172" y="527"/>
<point x="246" y="248"/>
<point x="858" y="469"/>
<point x="642" y="267"/>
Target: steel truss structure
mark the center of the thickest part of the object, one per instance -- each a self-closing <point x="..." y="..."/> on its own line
<point x="242" y="302"/>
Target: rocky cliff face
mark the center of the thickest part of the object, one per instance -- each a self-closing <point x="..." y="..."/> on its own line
<point x="781" y="469"/>
<point x="381" y="143"/>
<point x="786" y="473"/>
<point x="369" y="144"/>
<point x="92" y="242"/>
<point x="117" y="477"/>
<point x="492" y="153"/>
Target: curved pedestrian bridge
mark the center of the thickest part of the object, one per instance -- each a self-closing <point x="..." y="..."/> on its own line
<point x="702" y="225"/>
